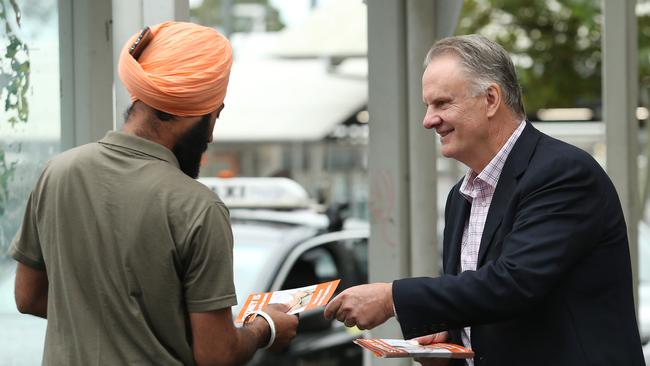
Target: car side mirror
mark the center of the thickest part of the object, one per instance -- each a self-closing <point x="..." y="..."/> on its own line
<point x="313" y="321"/>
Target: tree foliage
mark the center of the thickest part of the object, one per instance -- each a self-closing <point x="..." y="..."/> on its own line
<point x="212" y="13"/>
<point x="644" y="49"/>
<point x="14" y="70"/>
<point x="556" y="46"/>
<point x="14" y="84"/>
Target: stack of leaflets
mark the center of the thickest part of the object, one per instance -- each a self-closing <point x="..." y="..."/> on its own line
<point x="299" y="299"/>
<point x="390" y="348"/>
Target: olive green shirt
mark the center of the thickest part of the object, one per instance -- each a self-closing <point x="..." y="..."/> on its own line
<point x="130" y="245"/>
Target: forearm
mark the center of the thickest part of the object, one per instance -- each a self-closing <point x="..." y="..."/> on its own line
<point x="251" y="337"/>
<point x="39" y="308"/>
<point x="36" y="305"/>
<point x="237" y="350"/>
<point x="497" y="291"/>
<point x="431" y="305"/>
<point x="31" y="291"/>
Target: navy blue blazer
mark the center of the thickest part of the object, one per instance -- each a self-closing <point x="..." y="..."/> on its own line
<point x="553" y="285"/>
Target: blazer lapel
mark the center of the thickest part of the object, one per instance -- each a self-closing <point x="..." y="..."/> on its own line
<point x="459" y="213"/>
<point x="516" y="164"/>
<point x="495" y="214"/>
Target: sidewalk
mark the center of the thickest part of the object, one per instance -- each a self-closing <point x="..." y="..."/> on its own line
<point x="21" y="336"/>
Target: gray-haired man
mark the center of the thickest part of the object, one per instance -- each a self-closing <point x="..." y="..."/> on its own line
<point x="536" y="260"/>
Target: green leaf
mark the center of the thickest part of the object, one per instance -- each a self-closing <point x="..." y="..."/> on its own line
<point x="14" y="5"/>
<point x="24" y="67"/>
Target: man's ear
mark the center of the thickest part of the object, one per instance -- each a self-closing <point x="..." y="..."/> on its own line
<point x="213" y="120"/>
<point x="493" y="97"/>
<point x="221" y="107"/>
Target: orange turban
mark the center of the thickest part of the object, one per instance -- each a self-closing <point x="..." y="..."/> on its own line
<point x="183" y="71"/>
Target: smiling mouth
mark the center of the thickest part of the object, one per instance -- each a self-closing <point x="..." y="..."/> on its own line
<point x="444" y="133"/>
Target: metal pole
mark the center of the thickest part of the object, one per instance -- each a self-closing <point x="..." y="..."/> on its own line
<point x="389" y="202"/>
<point x="426" y="22"/>
<point x="620" y="92"/>
<point x="86" y="71"/>
<point x="422" y="145"/>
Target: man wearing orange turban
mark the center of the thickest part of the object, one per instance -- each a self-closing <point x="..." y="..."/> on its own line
<point x="127" y="256"/>
<point x="181" y="73"/>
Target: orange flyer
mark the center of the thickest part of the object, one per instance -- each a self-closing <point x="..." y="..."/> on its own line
<point x="392" y="348"/>
<point x="299" y="299"/>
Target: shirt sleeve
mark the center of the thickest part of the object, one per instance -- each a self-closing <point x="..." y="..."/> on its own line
<point x="208" y="280"/>
<point x="26" y="246"/>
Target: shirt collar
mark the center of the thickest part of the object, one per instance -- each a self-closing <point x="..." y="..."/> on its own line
<point x="492" y="171"/>
<point x="138" y="144"/>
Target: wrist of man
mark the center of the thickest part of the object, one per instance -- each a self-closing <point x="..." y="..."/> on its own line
<point x="392" y="311"/>
<point x="263" y="327"/>
<point x="390" y="305"/>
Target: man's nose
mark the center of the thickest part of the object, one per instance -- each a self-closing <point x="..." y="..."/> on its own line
<point x="431" y="121"/>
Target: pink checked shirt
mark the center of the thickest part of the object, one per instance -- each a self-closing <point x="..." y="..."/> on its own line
<point x="478" y="190"/>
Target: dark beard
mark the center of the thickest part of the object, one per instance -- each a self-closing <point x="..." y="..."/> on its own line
<point x="191" y="146"/>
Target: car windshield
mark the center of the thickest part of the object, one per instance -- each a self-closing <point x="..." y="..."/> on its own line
<point x="253" y="257"/>
<point x="249" y="261"/>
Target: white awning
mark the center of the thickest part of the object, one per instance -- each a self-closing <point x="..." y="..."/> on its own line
<point x="288" y="100"/>
<point x="336" y="28"/>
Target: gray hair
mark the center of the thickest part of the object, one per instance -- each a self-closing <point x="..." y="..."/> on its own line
<point x="485" y="62"/>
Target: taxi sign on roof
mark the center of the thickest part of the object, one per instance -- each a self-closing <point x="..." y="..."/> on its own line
<point x="279" y="193"/>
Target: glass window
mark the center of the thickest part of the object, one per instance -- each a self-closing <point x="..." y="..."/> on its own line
<point x="30" y="127"/>
<point x="359" y="250"/>
<point x="255" y="256"/>
<point x="29" y="136"/>
<point x="314" y="266"/>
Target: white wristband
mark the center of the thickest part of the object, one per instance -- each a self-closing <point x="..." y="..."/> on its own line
<point x="269" y="320"/>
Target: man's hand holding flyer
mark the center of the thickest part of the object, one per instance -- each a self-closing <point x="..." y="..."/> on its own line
<point x="298" y="299"/>
<point x="391" y="348"/>
<point x="310" y="297"/>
